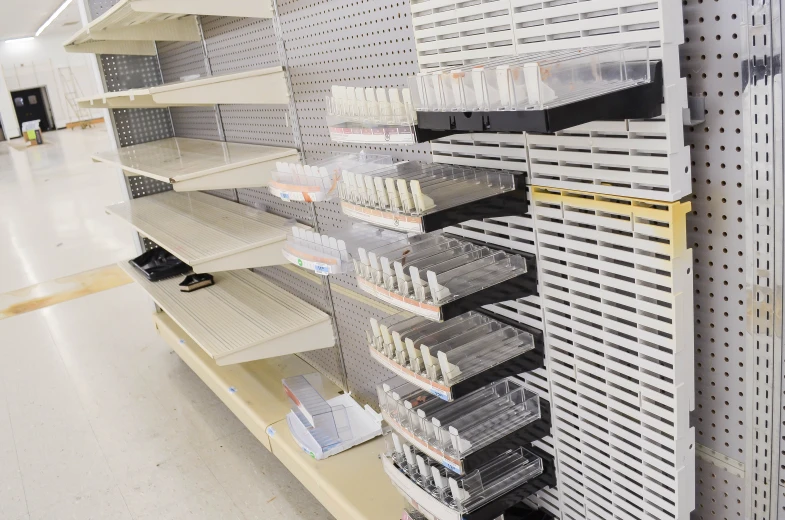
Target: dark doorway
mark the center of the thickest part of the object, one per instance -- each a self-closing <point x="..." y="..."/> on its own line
<point x="31" y="104"/>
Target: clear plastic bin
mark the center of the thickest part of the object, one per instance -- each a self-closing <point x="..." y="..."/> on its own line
<point x="461" y="494"/>
<point x="371" y="115"/>
<point x="441" y="355"/>
<point x="318" y="182"/>
<point x="424" y="272"/>
<point x="450" y="431"/>
<point x="389" y="196"/>
<point x="329" y="425"/>
<point x="532" y="81"/>
<point x="333" y="254"/>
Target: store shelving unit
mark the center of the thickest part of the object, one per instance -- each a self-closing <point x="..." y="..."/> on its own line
<point x="241" y="318"/>
<point x="133" y="26"/>
<point x="206" y="232"/>
<point x="256" y="397"/>
<point x="198" y="164"/>
<point x="255" y="87"/>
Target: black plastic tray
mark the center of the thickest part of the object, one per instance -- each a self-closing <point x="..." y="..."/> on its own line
<point x="168" y="266"/>
<point x="638" y="102"/>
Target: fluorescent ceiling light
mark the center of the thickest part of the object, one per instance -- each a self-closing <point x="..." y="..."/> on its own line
<point x="52" y="18"/>
<point x="17" y="40"/>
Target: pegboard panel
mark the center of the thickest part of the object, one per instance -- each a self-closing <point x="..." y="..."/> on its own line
<point x="239" y="44"/>
<point x="719" y="493"/>
<point x="128" y="72"/>
<point x="258" y="124"/>
<point x="141" y="125"/>
<point x="196" y="122"/>
<point x="353" y="313"/>
<point x="258" y="197"/>
<point x="140" y="186"/>
<point x="616" y="290"/>
<point x="711" y="63"/>
<point x="312" y="289"/>
<point x="181" y="59"/>
<point x="365" y="43"/>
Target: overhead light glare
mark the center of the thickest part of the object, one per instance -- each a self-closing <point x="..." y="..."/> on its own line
<point x="53" y="17"/>
<point x="18" y="40"/>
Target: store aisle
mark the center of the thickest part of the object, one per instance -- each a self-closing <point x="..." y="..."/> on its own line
<point x="99" y="419"/>
<point x="52" y="218"/>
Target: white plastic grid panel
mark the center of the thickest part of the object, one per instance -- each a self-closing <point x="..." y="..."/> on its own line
<point x="449" y="32"/>
<point x="615" y="281"/>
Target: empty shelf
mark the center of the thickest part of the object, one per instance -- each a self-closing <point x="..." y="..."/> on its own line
<point x="133" y="26"/>
<point x="255" y="87"/>
<point x="243" y="317"/>
<point x="196" y="164"/>
<point x="206" y="232"/>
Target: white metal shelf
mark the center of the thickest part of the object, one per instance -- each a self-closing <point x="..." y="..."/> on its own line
<point x="243" y="317"/>
<point x="133" y="26"/>
<point x="255" y="87"/>
<point x="206" y="232"/>
<point x="197" y="164"/>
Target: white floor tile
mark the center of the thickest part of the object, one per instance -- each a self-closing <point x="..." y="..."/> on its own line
<point x="12" y="493"/>
<point x="173" y="481"/>
<point x="203" y="506"/>
<point x="52" y="206"/>
<point x="104" y="504"/>
<point x="258" y="483"/>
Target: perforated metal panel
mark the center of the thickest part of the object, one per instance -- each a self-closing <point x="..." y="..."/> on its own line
<point x="362" y="44"/>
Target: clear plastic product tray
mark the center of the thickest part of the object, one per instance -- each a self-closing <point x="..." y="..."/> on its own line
<point x="424" y="273"/>
<point x="437" y="357"/>
<point x="533" y="81"/>
<point x="318" y="182"/>
<point x="333" y="254"/>
<point x="371" y="115"/>
<point x="326" y="427"/>
<point x="402" y="196"/>
<point x="450" y="496"/>
<point x="453" y="432"/>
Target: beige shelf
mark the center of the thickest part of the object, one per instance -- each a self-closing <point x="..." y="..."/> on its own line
<point x="243" y="317"/>
<point x="133" y="26"/>
<point x="208" y="233"/>
<point x="256" y="87"/>
<point x="197" y="164"/>
<point x="351" y="485"/>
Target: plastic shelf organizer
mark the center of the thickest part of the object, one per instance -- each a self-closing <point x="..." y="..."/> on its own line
<point x="417" y="197"/>
<point x="336" y="253"/>
<point x="545" y="92"/>
<point x="327" y="427"/>
<point x="440" y="276"/>
<point x="241" y="318"/>
<point x="453" y="358"/>
<point x="263" y="86"/>
<point x="467" y="433"/>
<point x="206" y="232"/>
<point x="133" y="26"/>
<point x="319" y="182"/>
<point x="198" y="164"/>
<point x="483" y="494"/>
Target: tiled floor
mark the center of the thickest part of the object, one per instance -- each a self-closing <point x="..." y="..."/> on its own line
<point x="99" y="419"/>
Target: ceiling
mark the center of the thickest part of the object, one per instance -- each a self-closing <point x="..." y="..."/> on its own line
<point x="19" y="18"/>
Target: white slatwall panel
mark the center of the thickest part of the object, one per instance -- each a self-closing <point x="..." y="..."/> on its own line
<point x="450" y="32"/>
<point x="616" y="290"/>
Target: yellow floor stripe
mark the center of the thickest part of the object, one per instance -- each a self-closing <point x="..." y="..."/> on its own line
<point x="61" y="290"/>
